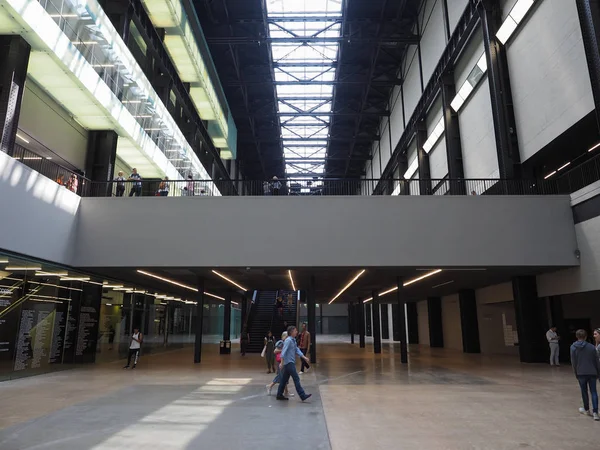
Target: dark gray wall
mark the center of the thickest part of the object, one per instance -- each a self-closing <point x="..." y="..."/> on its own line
<point x="326" y="231"/>
<point x="37" y="217"/>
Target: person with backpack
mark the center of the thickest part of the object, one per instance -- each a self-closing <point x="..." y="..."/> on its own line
<point x="587" y="369"/>
<point x="134" y="348"/>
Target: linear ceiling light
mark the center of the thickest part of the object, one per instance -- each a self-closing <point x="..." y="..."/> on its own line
<point x="22" y="138"/>
<point x="347" y="286"/>
<point x="549" y="175"/>
<point x="166" y="280"/>
<point x="16" y="268"/>
<point x="231" y="281"/>
<point x="75" y="279"/>
<point x="3" y="261"/>
<point x="594" y="147"/>
<point x="408" y="283"/>
<point x="442" y="284"/>
<point x="292" y="280"/>
<point x="514" y="18"/>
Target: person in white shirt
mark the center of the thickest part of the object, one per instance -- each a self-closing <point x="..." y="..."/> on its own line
<point x="134" y="348"/>
<point x="553" y="338"/>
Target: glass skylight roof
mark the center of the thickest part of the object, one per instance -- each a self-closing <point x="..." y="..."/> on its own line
<point x="304" y="52"/>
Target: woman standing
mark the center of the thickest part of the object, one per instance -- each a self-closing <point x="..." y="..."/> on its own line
<point x="269" y="349"/>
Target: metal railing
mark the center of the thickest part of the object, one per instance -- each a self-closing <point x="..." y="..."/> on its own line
<point x="50" y="169"/>
<point x="322" y="187"/>
<point x="580" y="176"/>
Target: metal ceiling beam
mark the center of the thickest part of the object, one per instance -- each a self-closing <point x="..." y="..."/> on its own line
<point x="393" y="83"/>
<point x="323" y="18"/>
<point x="334" y="114"/>
<point x="300" y="40"/>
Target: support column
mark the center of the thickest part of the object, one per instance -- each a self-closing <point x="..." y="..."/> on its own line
<point x="244" y="311"/>
<point x="100" y="159"/>
<point x="14" y="58"/>
<point x="424" y="170"/>
<point x="400" y="321"/>
<point x="199" y="321"/>
<point x="361" y="323"/>
<point x="412" y="319"/>
<point x="503" y="113"/>
<point x="226" y="350"/>
<point x="456" y="172"/>
<point x="436" y="331"/>
<point x="530" y="313"/>
<point x="468" y="321"/>
<point x="351" y="321"/>
<point x="385" y="323"/>
<point x="369" y="319"/>
<point x="376" y="323"/>
<point x="589" y="18"/>
<point x="312" y="319"/>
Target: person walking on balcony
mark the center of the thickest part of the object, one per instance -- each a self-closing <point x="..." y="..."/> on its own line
<point x="73" y="183"/>
<point x="276" y="185"/>
<point x="304" y="347"/>
<point x="136" y="188"/>
<point x="587" y="369"/>
<point x="163" y="187"/>
<point x="269" y="351"/>
<point x="553" y="338"/>
<point x="266" y="188"/>
<point x="189" y="187"/>
<point x="288" y="365"/>
<point x="120" y="184"/>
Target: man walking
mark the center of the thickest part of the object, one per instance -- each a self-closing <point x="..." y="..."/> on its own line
<point x="134" y="348"/>
<point x="288" y="365"/>
<point x="553" y="338"/>
<point x="304" y="346"/>
<point x="587" y="369"/>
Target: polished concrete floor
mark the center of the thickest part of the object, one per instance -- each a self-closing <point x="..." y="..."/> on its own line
<point x="441" y="400"/>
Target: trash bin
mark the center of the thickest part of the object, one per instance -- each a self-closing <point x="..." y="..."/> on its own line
<point x="225" y="347"/>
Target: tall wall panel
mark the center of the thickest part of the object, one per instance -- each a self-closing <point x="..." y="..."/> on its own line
<point x="412" y="81"/>
<point x="376" y="165"/>
<point x="549" y="76"/>
<point x="469" y="57"/>
<point x="433" y="32"/>
<point x="477" y="136"/>
<point x="451" y="322"/>
<point x="438" y="161"/>
<point x="423" y="319"/>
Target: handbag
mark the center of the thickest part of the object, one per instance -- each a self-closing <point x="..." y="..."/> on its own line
<point x="264" y="352"/>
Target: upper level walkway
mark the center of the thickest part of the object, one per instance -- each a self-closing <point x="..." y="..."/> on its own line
<point x="49" y="222"/>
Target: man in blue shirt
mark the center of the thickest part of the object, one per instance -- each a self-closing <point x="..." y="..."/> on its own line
<point x="136" y="188"/>
<point x="288" y="365"/>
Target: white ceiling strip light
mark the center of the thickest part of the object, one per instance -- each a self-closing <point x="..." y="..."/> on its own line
<point x="514" y="18"/>
<point x="303" y="65"/>
<point x="408" y="283"/>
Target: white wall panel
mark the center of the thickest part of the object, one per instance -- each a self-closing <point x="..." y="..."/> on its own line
<point x="438" y="161"/>
<point x="451" y="322"/>
<point x="376" y="166"/>
<point x="47" y="122"/>
<point x="455" y="10"/>
<point x="549" y="76"/>
<point x="478" y="140"/>
<point x="434" y="114"/>
<point x="384" y="143"/>
<point x="412" y="82"/>
<point x="433" y="40"/>
<point x="423" y="320"/>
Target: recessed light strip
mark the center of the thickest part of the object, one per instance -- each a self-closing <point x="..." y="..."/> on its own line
<point x="16" y="268"/>
<point x="408" y="283"/>
<point x="185" y="286"/>
<point x="347" y="286"/>
<point x="292" y="280"/>
<point x="231" y="281"/>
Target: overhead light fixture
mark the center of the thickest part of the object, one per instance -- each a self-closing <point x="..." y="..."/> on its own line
<point x="443" y="284"/>
<point x="22" y="138"/>
<point x="231" y="281"/>
<point x="167" y="280"/>
<point x="75" y="279"/>
<point x="85" y="42"/>
<point x="152" y="129"/>
<point x="3" y="261"/>
<point x="408" y="283"/>
<point x="103" y="65"/>
<point x="112" y="286"/>
<point x="143" y="116"/>
<point x="514" y="18"/>
<point x="347" y="286"/>
<point x="292" y="280"/>
<point x="51" y="274"/>
<point x="64" y="16"/>
<point x="563" y="166"/>
<point x="131" y="102"/>
<point x="108" y="304"/>
<point x="549" y="175"/>
<point x="594" y="147"/>
<point x="17" y="268"/>
<point x="213" y="296"/>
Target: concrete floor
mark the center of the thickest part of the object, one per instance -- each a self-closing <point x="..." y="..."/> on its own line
<point x="441" y="400"/>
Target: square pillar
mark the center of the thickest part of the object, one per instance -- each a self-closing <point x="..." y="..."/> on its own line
<point x="226" y="350"/>
<point x="376" y="324"/>
<point x="199" y="321"/>
<point x="400" y="321"/>
<point x="385" y="324"/>
<point x="14" y="58"/>
<point x="312" y="319"/>
<point x="351" y="321"/>
<point x="436" y="331"/>
<point x="530" y="312"/>
<point x="468" y="321"/>
<point x="412" y="319"/>
<point x="361" y="323"/>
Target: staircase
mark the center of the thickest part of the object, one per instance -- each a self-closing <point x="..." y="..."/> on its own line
<point x="265" y="317"/>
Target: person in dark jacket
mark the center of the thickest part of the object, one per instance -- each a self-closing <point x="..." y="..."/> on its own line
<point x="587" y="369"/>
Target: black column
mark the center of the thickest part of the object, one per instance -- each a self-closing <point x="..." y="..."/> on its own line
<point x="100" y="159"/>
<point x="385" y="323"/>
<point x="452" y="135"/>
<point x="436" y="331"/>
<point x="14" y="58"/>
<point x="226" y="350"/>
<point x="400" y="322"/>
<point x="369" y="319"/>
<point x="412" y="320"/>
<point x="589" y="18"/>
<point x="468" y="321"/>
<point x="312" y="319"/>
<point x="424" y="171"/>
<point x="244" y="311"/>
<point x="503" y="113"/>
<point x="199" y="321"/>
<point x="361" y="323"/>
<point x="529" y="311"/>
<point x="376" y="324"/>
<point x="351" y="321"/>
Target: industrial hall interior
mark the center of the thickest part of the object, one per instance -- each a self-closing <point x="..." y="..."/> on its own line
<point x="317" y="224"/>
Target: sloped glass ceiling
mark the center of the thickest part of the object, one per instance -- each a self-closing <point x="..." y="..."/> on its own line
<point x="304" y="51"/>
